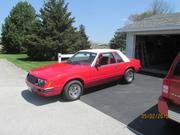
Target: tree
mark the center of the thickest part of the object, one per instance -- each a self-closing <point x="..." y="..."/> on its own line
<point x="139" y="17"/>
<point x="157" y="7"/>
<point x="54" y="32"/>
<point x="118" y="41"/>
<point x="81" y="42"/>
<point x="160" y="7"/>
<point x="85" y="44"/>
<point x="16" y="27"/>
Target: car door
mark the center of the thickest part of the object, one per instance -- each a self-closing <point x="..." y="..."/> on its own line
<point x="174" y="93"/>
<point x="105" y="70"/>
<point x="121" y="65"/>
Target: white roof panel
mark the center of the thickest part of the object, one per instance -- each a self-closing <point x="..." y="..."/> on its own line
<point x="123" y="56"/>
<point x="98" y="50"/>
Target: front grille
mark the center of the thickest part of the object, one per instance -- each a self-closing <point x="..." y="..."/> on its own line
<point x="32" y="79"/>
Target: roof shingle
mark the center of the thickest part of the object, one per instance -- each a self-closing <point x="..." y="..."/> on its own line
<point x="157" y="22"/>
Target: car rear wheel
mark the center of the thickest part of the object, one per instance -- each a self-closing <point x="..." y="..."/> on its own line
<point x="129" y="76"/>
<point x="73" y="90"/>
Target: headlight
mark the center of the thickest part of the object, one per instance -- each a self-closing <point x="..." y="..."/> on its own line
<point x="41" y="82"/>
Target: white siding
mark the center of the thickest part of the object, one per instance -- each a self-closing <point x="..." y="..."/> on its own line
<point x="130" y="45"/>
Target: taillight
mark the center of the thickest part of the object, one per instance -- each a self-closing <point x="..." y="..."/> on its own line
<point x="165" y="88"/>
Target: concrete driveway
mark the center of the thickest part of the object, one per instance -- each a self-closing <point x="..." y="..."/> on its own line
<point x="24" y="113"/>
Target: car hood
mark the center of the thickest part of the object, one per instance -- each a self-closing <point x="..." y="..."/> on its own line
<point x="53" y="70"/>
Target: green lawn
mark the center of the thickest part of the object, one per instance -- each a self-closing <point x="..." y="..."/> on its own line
<point x="21" y="61"/>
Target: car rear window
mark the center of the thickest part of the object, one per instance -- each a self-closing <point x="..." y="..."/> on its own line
<point x="117" y="57"/>
<point x="177" y="69"/>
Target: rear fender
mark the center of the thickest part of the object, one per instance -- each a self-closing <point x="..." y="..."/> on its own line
<point x="136" y="64"/>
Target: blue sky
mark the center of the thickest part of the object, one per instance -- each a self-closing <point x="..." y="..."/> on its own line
<point x="100" y="17"/>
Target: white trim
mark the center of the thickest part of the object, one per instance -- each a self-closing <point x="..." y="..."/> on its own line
<point x="150" y="29"/>
<point x="123" y="56"/>
<point x="158" y="32"/>
<point x="174" y="116"/>
<point x="60" y="56"/>
<point x="94" y="62"/>
<point x="130" y="45"/>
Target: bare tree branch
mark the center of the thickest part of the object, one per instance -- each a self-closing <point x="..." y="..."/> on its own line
<point x="161" y="7"/>
<point x="157" y="7"/>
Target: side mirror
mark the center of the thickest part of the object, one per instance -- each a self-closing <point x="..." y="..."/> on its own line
<point x="97" y="65"/>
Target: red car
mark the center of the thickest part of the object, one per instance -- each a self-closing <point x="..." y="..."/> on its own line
<point x="85" y="69"/>
<point x="169" y="101"/>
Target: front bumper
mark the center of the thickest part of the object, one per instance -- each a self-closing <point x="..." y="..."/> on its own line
<point x="46" y="92"/>
<point x="169" y="109"/>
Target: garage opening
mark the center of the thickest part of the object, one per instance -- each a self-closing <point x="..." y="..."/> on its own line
<point x="157" y="52"/>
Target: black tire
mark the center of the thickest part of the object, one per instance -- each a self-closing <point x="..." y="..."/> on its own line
<point x="128" y="76"/>
<point x="70" y="88"/>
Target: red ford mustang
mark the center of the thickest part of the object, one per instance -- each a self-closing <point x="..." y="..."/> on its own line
<point x="85" y="69"/>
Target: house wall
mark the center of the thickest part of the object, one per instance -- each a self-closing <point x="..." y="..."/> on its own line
<point x="130" y="45"/>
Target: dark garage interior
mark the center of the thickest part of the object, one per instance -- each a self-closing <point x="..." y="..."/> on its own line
<point x="157" y="52"/>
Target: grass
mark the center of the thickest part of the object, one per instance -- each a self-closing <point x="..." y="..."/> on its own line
<point x="21" y="60"/>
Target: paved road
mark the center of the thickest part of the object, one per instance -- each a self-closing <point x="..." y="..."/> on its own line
<point x="126" y="103"/>
<point x="24" y="113"/>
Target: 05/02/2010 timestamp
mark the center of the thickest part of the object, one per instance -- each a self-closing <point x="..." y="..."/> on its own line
<point x="153" y="116"/>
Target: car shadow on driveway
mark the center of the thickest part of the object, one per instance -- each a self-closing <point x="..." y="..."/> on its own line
<point x="153" y="126"/>
<point x="38" y="100"/>
<point x="102" y="87"/>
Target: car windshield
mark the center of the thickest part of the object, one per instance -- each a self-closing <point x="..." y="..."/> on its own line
<point x="82" y="58"/>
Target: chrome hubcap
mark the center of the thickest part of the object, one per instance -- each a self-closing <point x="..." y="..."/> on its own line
<point x="130" y="76"/>
<point x="74" y="91"/>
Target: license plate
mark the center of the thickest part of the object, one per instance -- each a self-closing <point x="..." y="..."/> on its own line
<point x="174" y="115"/>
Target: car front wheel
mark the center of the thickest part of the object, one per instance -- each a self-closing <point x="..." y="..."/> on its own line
<point x="73" y="90"/>
<point x="129" y="76"/>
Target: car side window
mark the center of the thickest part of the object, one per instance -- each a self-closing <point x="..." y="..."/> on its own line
<point x="177" y="69"/>
<point x="117" y="57"/>
<point x="106" y="58"/>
